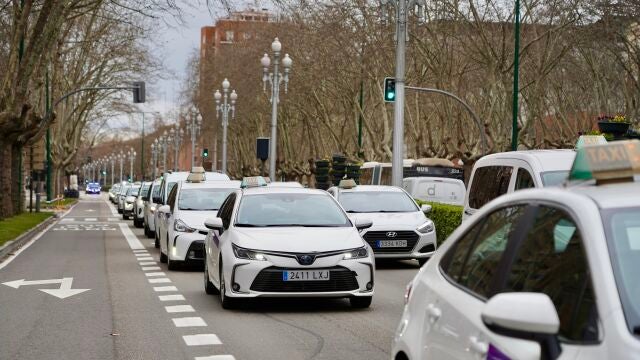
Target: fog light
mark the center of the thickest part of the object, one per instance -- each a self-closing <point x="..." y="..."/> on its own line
<point x="369" y="285"/>
<point x="235" y="287"/>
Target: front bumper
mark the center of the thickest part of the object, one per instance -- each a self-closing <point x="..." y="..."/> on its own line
<point x="348" y="278"/>
<point x="419" y="246"/>
<point x="128" y="209"/>
<point x="187" y="247"/>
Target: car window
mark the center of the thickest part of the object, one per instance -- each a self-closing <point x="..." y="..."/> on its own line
<point x="377" y="201"/>
<point x="489" y="182"/>
<point x="474" y="260"/>
<point x="171" y="200"/>
<point x="524" y="180"/>
<point x="207" y="199"/>
<point x="551" y="260"/>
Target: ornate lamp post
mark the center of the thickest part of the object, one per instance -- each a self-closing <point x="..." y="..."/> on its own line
<point x="112" y="159"/>
<point x="121" y="158"/>
<point x="155" y="148"/>
<point x="164" y="142"/>
<point x="224" y="108"/>
<point x="176" y="135"/>
<point x="132" y="156"/>
<point x="274" y="79"/>
<point x="195" y="124"/>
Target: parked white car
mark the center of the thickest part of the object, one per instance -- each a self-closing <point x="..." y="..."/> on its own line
<point x="436" y="189"/>
<point x="286" y="242"/>
<point x="545" y="273"/>
<point x="502" y="173"/>
<point x="138" y="205"/>
<point x="400" y="230"/>
<point x="129" y="200"/>
<point x="150" y="206"/>
<point x="122" y="193"/>
<point x="181" y="227"/>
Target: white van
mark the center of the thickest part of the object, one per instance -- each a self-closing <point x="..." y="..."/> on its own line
<point x="502" y="173"/>
<point x="436" y="189"/>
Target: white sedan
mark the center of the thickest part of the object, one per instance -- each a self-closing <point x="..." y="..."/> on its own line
<point x="538" y="274"/>
<point x="286" y="242"/>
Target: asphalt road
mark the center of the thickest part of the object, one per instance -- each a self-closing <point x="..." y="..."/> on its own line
<point x="137" y="309"/>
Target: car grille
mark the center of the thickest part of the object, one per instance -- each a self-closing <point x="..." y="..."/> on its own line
<point x="270" y="280"/>
<point x="197" y="247"/>
<point x="372" y="237"/>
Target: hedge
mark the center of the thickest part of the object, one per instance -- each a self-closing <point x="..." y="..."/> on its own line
<point x="446" y="218"/>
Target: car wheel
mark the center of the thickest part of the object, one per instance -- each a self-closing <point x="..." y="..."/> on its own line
<point x="422" y="261"/>
<point x="360" y="302"/>
<point x="146" y="231"/>
<point x="119" y="211"/>
<point x="227" y="302"/>
<point x="163" y="257"/>
<point x="157" y="244"/>
<point x="209" y="288"/>
<point x="124" y="217"/>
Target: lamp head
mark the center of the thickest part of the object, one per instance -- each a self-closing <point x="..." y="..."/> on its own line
<point x="276" y="46"/>
<point x="217" y="95"/>
<point x="225" y="84"/>
<point x="234" y="96"/>
<point x="266" y="61"/>
<point x="287" y="62"/>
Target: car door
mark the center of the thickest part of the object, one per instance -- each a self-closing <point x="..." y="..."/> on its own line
<point x="164" y="219"/>
<point x="486" y="184"/>
<point x="467" y="276"/>
<point x="225" y="213"/>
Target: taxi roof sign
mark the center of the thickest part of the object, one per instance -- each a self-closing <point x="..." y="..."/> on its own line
<point x="347" y="184"/>
<point x="616" y="161"/>
<point x="196" y="175"/>
<point x="585" y="140"/>
<point x="253" y="181"/>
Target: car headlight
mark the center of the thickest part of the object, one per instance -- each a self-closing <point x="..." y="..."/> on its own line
<point x="242" y="253"/>
<point x="426" y="227"/>
<point x="152" y="209"/>
<point x="179" y="225"/>
<point x="356" y="254"/>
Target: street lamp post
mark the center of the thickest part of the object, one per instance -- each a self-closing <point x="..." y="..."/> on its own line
<point x="224" y="108"/>
<point x="194" y="130"/>
<point x="132" y="157"/>
<point x="164" y="143"/>
<point x="176" y="135"/>
<point x="274" y="79"/>
<point x="113" y="161"/>
<point x="155" y="147"/>
<point x="402" y="8"/>
<point x="121" y="158"/>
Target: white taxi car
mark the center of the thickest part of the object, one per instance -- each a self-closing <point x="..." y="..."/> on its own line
<point x="182" y="230"/>
<point x="286" y="242"/>
<point x="546" y="273"/>
<point x="400" y="228"/>
<point x="150" y="206"/>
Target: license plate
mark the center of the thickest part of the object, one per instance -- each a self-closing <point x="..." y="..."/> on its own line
<point x="391" y="243"/>
<point x="305" y="275"/>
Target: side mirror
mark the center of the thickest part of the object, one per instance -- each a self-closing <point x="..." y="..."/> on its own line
<point x="362" y="224"/>
<point x="213" y="224"/>
<point x="425" y="208"/>
<point x="165" y="209"/>
<point x="527" y="316"/>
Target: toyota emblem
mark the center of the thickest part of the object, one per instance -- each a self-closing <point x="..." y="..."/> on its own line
<point x="306" y="259"/>
<point x="392" y="234"/>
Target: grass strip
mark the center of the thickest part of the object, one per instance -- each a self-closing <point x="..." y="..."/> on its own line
<point x="11" y="228"/>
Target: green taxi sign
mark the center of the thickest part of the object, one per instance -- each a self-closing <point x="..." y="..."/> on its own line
<point x="616" y="161"/>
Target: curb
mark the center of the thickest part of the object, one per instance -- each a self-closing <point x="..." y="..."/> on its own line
<point x="15" y="244"/>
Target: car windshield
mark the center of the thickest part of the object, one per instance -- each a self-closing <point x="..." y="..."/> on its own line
<point x="124" y="189"/>
<point x="202" y="199"/>
<point x="290" y="209"/>
<point x="376" y="201"/>
<point x="156" y="190"/>
<point x="133" y="191"/>
<point x="553" y="178"/>
<point x="145" y="190"/>
<point x="623" y="238"/>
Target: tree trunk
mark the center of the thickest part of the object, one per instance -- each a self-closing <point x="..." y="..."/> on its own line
<point x="6" y="203"/>
<point x="17" y="183"/>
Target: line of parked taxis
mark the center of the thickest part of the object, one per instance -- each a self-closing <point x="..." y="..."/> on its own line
<point x="549" y="272"/>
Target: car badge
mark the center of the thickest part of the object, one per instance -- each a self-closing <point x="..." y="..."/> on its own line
<point x="392" y="234"/>
<point x="306" y="259"/>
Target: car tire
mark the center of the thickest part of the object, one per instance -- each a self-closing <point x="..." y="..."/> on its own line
<point x="422" y="261"/>
<point x="136" y="223"/>
<point x="124" y="217"/>
<point x="163" y="257"/>
<point x="119" y="211"/>
<point x="226" y="302"/>
<point x="361" y="302"/>
<point x="146" y="231"/>
<point x="209" y="288"/>
<point x="157" y="244"/>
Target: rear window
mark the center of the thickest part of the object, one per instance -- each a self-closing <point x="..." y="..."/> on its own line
<point x="489" y="182"/>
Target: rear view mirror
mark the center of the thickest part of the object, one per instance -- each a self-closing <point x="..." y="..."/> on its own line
<point x="362" y="224"/>
<point x="425" y="208"/>
<point x="527" y="316"/>
<point x="213" y="224"/>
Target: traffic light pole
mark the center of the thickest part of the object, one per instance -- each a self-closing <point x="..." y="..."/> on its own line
<point x="398" y="110"/>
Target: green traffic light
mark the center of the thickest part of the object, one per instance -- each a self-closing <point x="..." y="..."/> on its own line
<point x="391" y="96"/>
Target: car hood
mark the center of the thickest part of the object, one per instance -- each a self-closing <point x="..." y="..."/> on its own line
<point x="396" y="221"/>
<point x="195" y="219"/>
<point x="298" y="239"/>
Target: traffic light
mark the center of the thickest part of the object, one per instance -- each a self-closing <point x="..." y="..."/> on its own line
<point x="139" y="92"/>
<point x="205" y="153"/>
<point x="104" y="172"/>
<point x="389" y="89"/>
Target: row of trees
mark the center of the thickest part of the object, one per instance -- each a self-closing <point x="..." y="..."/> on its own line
<point x="51" y="47"/>
<point x="579" y="59"/>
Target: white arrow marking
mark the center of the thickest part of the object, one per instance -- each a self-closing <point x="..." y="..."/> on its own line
<point x="64" y="291"/>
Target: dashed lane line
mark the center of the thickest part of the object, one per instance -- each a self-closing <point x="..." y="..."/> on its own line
<point x="216" y="357"/>
<point x="189" y="322"/>
<point x="133" y="241"/>
<point x="90" y="219"/>
<point x="145" y="258"/>
<point x="159" y="280"/>
<point x="177" y="297"/>
<point x="152" y="274"/>
<point x="147" y="263"/>
<point x="201" y="339"/>
<point x="150" y="268"/>
<point x="165" y="288"/>
<point x="179" y="309"/>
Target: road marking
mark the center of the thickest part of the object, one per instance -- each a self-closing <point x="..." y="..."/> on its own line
<point x="138" y="250"/>
<point x="189" y="322"/>
<point x="216" y="357"/>
<point x="113" y="219"/>
<point x="145" y="258"/>
<point x="159" y="280"/>
<point x="141" y="254"/>
<point x="133" y="241"/>
<point x="90" y="219"/>
<point x="150" y="268"/>
<point x="165" y="288"/>
<point x="171" y="297"/>
<point x="63" y="292"/>
<point x="201" y="339"/>
<point x="145" y="263"/>
<point x="159" y="273"/>
<point x="67" y="220"/>
<point x="89" y="210"/>
<point x="179" y="308"/>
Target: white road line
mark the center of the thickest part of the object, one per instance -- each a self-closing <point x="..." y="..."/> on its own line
<point x="133" y="241"/>
<point x="113" y="219"/>
<point x="146" y="263"/>
<point x="179" y="308"/>
<point x="216" y="357"/>
<point x="145" y="258"/>
<point x="67" y="220"/>
<point x="201" y="339"/>
<point x="159" y="273"/>
<point x="139" y="250"/>
<point x="189" y="322"/>
<point x="90" y="219"/>
<point x="150" y="268"/>
<point x="159" y="281"/>
<point x="165" y="288"/>
<point x="177" y="297"/>
<point x="139" y="254"/>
